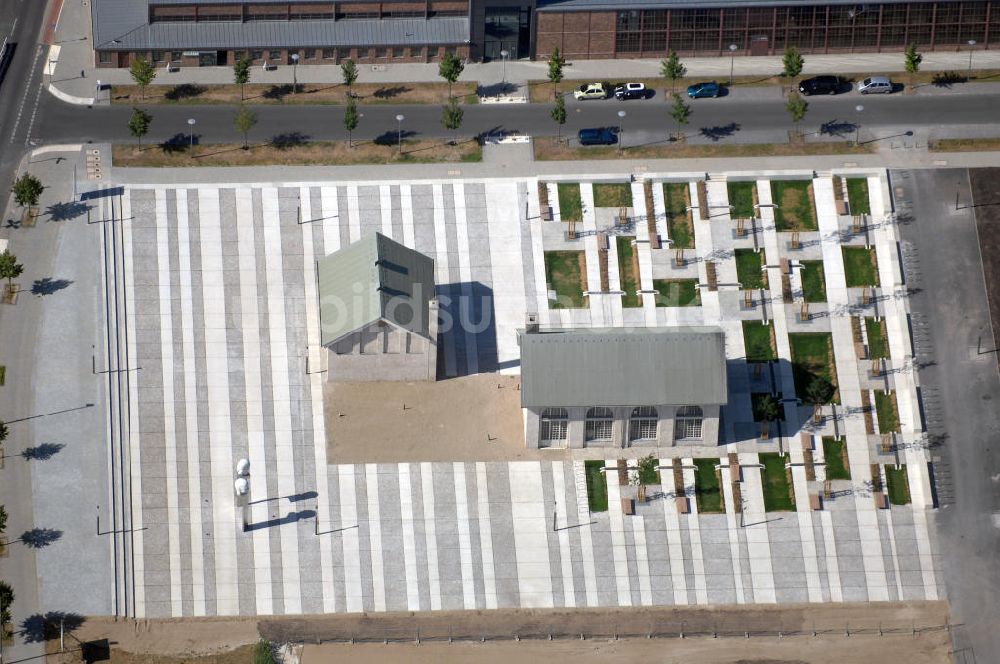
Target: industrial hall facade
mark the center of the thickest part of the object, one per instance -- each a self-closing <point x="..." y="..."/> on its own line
<point x="182" y="33"/>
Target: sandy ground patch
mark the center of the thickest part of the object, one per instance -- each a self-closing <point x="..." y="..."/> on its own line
<point x="472" y="418"/>
<point x="170" y="638"/>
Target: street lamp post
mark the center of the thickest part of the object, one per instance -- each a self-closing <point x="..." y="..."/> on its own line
<point x="972" y="44"/>
<point x="503" y="56"/>
<point x="98" y="98"/>
<point x="732" y="62"/>
<point x="295" y="72"/>
<point x="857" y="127"/>
<point x="191" y="123"/>
<point x="621" y="120"/>
<point x="399" y="131"/>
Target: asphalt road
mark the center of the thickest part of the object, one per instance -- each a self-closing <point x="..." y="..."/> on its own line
<point x="20" y="90"/>
<point x="646" y="121"/>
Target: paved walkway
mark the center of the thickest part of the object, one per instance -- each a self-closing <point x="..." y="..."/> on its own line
<point x="222" y="317"/>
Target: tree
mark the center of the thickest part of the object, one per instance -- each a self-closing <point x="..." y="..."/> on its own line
<point x="559" y="114"/>
<point x="556" y="64"/>
<point x="672" y="69"/>
<point x="452" y="116"/>
<point x="349" y="72"/>
<point x="350" y="120"/>
<point x="680" y="112"/>
<point x="450" y="68"/>
<point x="768" y="409"/>
<point x="241" y="74"/>
<point x="796" y="107"/>
<point x="819" y="391"/>
<point x="791" y="62"/>
<point x="244" y="121"/>
<point x="139" y="123"/>
<point x="3" y="518"/>
<point x="143" y="72"/>
<point x="912" y="60"/>
<point x="27" y="189"/>
<point x="4" y="431"/>
<point x="6" y="599"/>
<point x="10" y="269"/>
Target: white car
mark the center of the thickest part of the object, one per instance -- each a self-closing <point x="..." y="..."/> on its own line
<point x="591" y="91"/>
<point x="631" y="91"/>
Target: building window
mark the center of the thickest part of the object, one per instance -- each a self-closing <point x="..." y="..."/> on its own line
<point x="382" y="53"/>
<point x="599" y="422"/>
<point x="104" y="57"/>
<point x="329" y="53"/>
<point x="274" y="55"/>
<point x="175" y="56"/>
<point x="312" y="16"/>
<point x="553" y="428"/>
<point x="343" y="53"/>
<point x="309" y="54"/>
<point x="397" y="53"/>
<point x="158" y="56"/>
<point x="403" y="13"/>
<point x="687" y="423"/>
<point x="642" y="424"/>
<point x="256" y="55"/>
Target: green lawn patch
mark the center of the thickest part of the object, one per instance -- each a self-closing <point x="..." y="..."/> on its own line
<point x="677" y="292"/>
<point x="749" y="269"/>
<point x="813" y="281"/>
<point x="597" y="486"/>
<point x="741" y="199"/>
<point x="758" y="340"/>
<point x="570" y="203"/>
<point x="777" y="490"/>
<point x="885" y="408"/>
<point x="612" y="195"/>
<point x="625" y="273"/>
<point x="812" y="355"/>
<point x="796" y="210"/>
<point x="707" y="492"/>
<point x="566" y="274"/>
<point x="678" y="222"/>
<point x="835" y="454"/>
<point x="860" y="267"/>
<point x="878" y="341"/>
<point x="648" y="473"/>
<point x="857" y="196"/>
<point x="898" y="485"/>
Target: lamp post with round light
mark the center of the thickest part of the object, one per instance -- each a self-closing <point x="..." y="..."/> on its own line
<point x="503" y="56"/>
<point x="621" y="121"/>
<point x="399" y="131"/>
<point x="857" y="127"/>
<point x="295" y="72"/>
<point x="191" y="123"/>
<point x="972" y="45"/>
<point x="732" y="62"/>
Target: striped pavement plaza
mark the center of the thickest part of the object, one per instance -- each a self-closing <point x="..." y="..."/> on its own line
<point x="223" y="320"/>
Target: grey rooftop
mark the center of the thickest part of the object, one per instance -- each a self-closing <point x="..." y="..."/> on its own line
<point x="630" y="366"/>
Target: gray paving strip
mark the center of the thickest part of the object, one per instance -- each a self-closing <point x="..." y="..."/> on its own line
<point x="821" y="553"/>
<point x="446" y="536"/>
<point x="370" y="210"/>
<point x="502" y="525"/>
<point x="555" y="555"/>
<point x="631" y="564"/>
<point x="420" y="536"/>
<point x="852" y="569"/>
<point x="604" y="562"/>
<point x="396" y="214"/>
<point x="787" y="562"/>
<point x="746" y="576"/>
<point x="658" y="554"/>
<point x="527" y="251"/>
<point x="343" y="213"/>
<point x="907" y="554"/>
<point x="576" y="531"/>
<point x="391" y="518"/>
<point x="718" y="559"/>
<point x="364" y="538"/>
<point x="332" y="527"/>
<point x="481" y="310"/>
<point x="475" y="538"/>
<point x="890" y="565"/>
<point x="422" y="203"/>
<point x="688" y="555"/>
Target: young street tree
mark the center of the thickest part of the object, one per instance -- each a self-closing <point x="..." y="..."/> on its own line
<point x="4" y="432"/>
<point x="3" y="518"/>
<point x="452" y="116"/>
<point x="796" y="107"/>
<point x="27" y="189"/>
<point x="139" y="123"/>
<point x="791" y="62"/>
<point x="143" y="73"/>
<point x="241" y="75"/>
<point x="350" y="120"/>
<point x="556" y="64"/>
<point x="912" y="60"/>
<point x="450" y="68"/>
<point x="769" y="409"/>
<point x="349" y="72"/>
<point x="680" y="112"/>
<point x="244" y="121"/>
<point x="672" y="69"/>
<point x="10" y="269"/>
<point x="559" y="114"/>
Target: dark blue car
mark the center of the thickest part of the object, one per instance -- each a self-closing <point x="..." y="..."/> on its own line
<point x="706" y="89"/>
<point x="598" y="136"/>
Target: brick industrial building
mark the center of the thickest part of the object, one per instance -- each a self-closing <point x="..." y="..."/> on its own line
<point x="216" y="32"/>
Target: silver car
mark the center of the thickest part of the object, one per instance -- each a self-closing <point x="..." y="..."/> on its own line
<point x="875" y="85"/>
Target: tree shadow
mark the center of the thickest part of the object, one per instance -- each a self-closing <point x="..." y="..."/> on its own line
<point x="178" y="143"/>
<point x="390" y="138"/>
<point x="390" y="92"/>
<point x="66" y="211"/>
<point x="185" y="91"/>
<point x="42" y="452"/>
<point x="837" y="128"/>
<point x="48" y="286"/>
<point x="45" y="627"/>
<point x="292" y="139"/>
<point x="278" y="92"/>
<point x="717" y="133"/>
<point x="946" y="79"/>
<point x="37" y="538"/>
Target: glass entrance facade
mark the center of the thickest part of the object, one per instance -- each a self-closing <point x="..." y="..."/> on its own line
<point x="507" y="29"/>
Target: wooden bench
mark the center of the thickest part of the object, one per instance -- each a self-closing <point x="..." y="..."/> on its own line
<point x="682" y="504"/>
<point x="807" y="441"/>
<point x="881" y="500"/>
<point x="841" y="207"/>
<point x="815" y="502"/>
<point x="628" y="506"/>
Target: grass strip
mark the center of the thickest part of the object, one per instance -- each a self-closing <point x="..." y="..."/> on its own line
<point x="834" y="453"/>
<point x="597" y="486"/>
<point x="708" y="494"/>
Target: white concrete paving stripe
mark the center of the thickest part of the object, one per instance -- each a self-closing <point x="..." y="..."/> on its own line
<point x="506" y="262"/>
<point x="534" y="575"/>
<point x="332" y="220"/>
<point x="832" y="562"/>
<point x="694" y="533"/>
<point x="406" y="209"/>
<point x="486" y="536"/>
<point x="465" y="307"/>
<point x="464" y="536"/>
<point x="280" y="391"/>
<point x="617" y="526"/>
<point x="191" y="402"/>
<point x="894" y="556"/>
<point x="430" y="532"/>
<point x="217" y="376"/>
<point x="250" y="326"/>
<point x="805" y="524"/>
<point x="568" y="582"/>
<point x="732" y="515"/>
<point x="349" y="530"/>
<point x="409" y="538"/>
<point x="385" y="203"/>
<point x="169" y="421"/>
<point x="673" y="526"/>
<point x="353" y="214"/>
<point x="375" y="536"/>
<point x="757" y="538"/>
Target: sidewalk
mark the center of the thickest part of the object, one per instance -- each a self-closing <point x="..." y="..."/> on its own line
<point x="73" y="76"/>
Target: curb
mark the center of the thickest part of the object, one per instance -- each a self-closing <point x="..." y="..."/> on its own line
<point x="46" y="149"/>
<point x="70" y="99"/>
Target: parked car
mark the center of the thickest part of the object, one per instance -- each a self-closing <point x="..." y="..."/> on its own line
<point x="705" y="89"/>
<point x="632" y="91"/>
<point x="875" y="85"/>
<point x="820" y="85"/>
<point x="591" y="91"/>
<point x="598" y="136"/>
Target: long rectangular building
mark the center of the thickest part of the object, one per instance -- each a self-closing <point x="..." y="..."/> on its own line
<point x="218" y="32"/>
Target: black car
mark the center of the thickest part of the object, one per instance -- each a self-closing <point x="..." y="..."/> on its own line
<point x="598" y="136"/>
<point x="820" y="85"/>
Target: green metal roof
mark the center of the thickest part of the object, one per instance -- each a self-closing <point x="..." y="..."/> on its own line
<point x="631" y="366"/>
<point x="374" y="279"/>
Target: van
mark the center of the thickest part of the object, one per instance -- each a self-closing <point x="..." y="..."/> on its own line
<point x="875" y="85"/>
<point x="598" y="136"/>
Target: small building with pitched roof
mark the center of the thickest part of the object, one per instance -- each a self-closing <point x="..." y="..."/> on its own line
<point x="621" y="387"/>
<point x="378" y="312"/>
